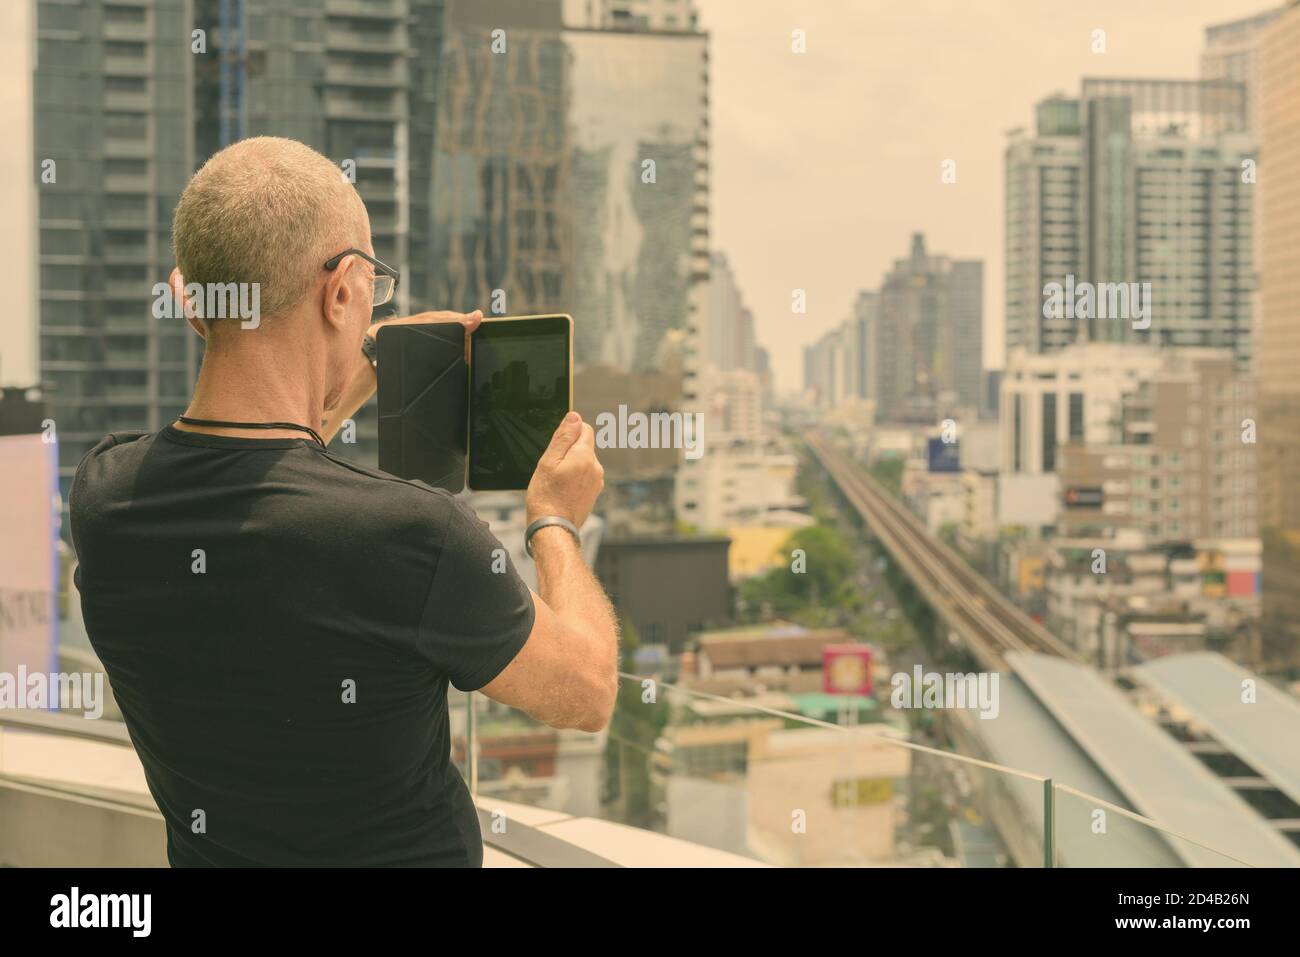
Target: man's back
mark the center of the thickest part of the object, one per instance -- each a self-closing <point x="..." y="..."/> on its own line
<point x="279" y="627"/>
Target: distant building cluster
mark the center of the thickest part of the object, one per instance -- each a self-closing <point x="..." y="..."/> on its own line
<point x="912" y="350"/>
<point x="1148" y="394"/>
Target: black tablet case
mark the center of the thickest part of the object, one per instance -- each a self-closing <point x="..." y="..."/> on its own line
<point x="424" y="403"/>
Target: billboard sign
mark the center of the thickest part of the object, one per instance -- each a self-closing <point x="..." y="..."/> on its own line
<point x="1084" y="496"/>
<point x="846" y="669"/>
<point x="29" y="562"/>
<point x="943" y="456"/>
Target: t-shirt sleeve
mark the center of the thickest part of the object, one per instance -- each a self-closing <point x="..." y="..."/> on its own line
<point x="479" y="612"/>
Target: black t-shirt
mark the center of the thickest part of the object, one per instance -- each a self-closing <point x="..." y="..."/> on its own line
<point x="279" y="626"/>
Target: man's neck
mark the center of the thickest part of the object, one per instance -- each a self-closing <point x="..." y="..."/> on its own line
<point x="253" y="385"/>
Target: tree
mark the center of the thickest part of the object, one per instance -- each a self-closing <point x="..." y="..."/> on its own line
<point x="816" y="586"/>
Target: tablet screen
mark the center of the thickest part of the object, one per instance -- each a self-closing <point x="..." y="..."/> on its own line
<point x="519" y="393"/>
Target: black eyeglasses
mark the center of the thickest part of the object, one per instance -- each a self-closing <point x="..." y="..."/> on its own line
<point x="386" y="277"/>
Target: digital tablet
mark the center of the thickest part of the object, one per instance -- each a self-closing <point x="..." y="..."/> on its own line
<point x="520" y="389"/>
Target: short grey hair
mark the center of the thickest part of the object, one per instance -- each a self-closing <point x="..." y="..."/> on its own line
<point x="266" y="210"/>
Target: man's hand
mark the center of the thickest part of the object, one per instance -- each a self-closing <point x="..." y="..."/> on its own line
<point x="470" y="320"/>
<point x="568" y="478"/>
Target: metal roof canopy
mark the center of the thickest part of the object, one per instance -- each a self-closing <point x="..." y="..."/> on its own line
<point x="1025" y="735"/>
<point x="1265" y="734"/>
<point x="1159" y="778"/>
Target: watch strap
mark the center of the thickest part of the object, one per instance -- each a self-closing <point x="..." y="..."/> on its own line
<point x="545" y="522"/>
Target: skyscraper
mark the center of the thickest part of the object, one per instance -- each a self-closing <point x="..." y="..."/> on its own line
<point x="116" y="128"/>
<point x="352" y="79"/>
<point x="571" y="170"/>
<point x="928" y="336"/>
<point x="727" y="335"/>
<point x="1279" y="352"/>
<point x="133" y="98"/>
<point x="1044" y="207"/>
<point x="639" y="115"/>
<point x="1232" y="53"/>
<point x="1136" y="181"/>
<point x="502" y="210"/>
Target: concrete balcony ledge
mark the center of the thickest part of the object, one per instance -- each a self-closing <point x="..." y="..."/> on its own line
<point x="73" y="794"/>
<point x="511" y="832"/>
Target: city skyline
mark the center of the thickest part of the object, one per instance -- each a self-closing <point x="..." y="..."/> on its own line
<point x="776" y="119"/>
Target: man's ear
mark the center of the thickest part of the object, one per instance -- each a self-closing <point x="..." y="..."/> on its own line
<point x="337" y="293"/>
<point x="177" y="283"/>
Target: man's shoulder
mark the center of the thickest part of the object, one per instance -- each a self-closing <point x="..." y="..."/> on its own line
<point x="115" y="440"/>
<point x="113" y="446"/>
<point x="404" y="499"/>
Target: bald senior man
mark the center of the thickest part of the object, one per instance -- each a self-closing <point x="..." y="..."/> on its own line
<point x="279" y="625"/>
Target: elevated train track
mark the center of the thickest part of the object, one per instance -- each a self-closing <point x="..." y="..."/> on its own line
<point x="986" y="622"/>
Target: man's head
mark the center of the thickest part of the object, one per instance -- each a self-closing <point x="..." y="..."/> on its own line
<point x="270" y="211"/>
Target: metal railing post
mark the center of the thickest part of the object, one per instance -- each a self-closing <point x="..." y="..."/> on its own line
<point x="471" y="744"/>
<point x="1049" y="824"/>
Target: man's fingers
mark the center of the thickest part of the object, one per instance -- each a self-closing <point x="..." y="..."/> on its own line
<point x="566" y="436"/>
<point x="469" y="319"/>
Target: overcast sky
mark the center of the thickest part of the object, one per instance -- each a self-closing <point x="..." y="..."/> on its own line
<point x="825" y="163"/>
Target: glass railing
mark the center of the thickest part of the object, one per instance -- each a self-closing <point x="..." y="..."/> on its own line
<point x="1090" y="832"/>
<point x="787" y="789"/>
<point x="749" y="777"/>
<point x="761" y="782"/>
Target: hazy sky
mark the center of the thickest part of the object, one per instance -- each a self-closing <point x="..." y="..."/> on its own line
<point x="825" y="163"/>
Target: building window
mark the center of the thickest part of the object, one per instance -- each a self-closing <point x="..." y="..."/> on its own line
<point x="1049" y="431"/>
<point x="1015" y="433"/>
<point x="1076" y="416"/>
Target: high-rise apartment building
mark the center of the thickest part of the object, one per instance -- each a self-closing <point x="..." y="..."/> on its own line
<point x="133" y="97"/>
<point x="1179" y="460"/>
<point x="1071" y="396"/>
<point x="354" y="80"/>
<point x="115" y="137"/>
<point x="1043" y="223"/>
<point x="720" y="324"/>
<point x="631" y="14"/>
<point x="865" y="315"/>
<point x="1157" y="440"/>
<point x="1135" y="182"/>
<point x="928" y="336"/>
<point x="826" y="367"/>
<point x="1232" y="53"/>
<point x="913" y="348"/>
<point x="1279" y="331"/>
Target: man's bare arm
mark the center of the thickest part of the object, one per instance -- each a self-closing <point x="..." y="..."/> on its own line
<point x="566" y="675"/>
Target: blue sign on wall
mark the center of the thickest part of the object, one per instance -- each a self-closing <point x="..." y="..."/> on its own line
<point x="943" y="456"/>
